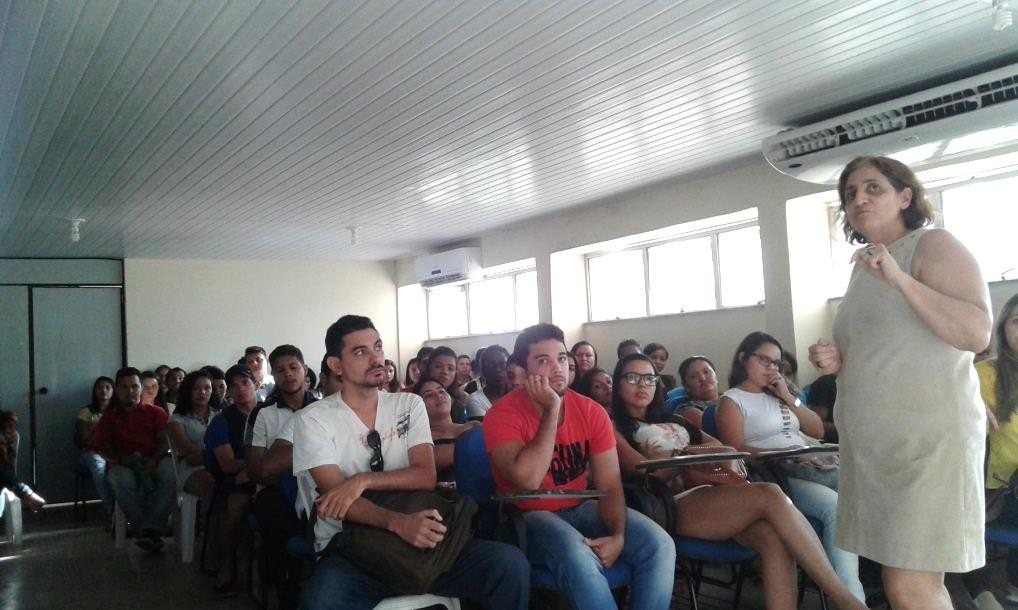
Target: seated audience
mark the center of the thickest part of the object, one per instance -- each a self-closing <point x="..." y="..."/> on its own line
<point x="464" y="373"/>
<point x="494" y="364"/>
<point x="9" y="442"/>
<point x="586" y="357"/>
<point x="789" y="366"/>
<point x="700" y="381"/>
<point x="515" y="374"/>
<point x="548" y="437"/>
<point x="756" y="515"/>
<point x="277" y="518"/>
<point x="628" y="346"/>
<point x="597" y="385"/>
<point x="186" y="434"/>
<point x="311" y="382"/>
<point x="149" y="388"/>
<point x="172" y="384"/>
<point x="444" y="431"/>
<point x="131" y="436"/>
<point x="84" y="426"/>
<point x="224" y="458"/>
<point x="423" y="355"/>
<point x="659" y="356"/>
<point x="758" y="413"/>
<point x="392" y="383"/>
<point x="998" y="385"/>
<point x="255" y="359"/>
<point x="413" y="374"/>
<point x="218" y="377"/>
<point x="361" y="439"/>
<point x="442" y="368"/>
<point x="820" y="396"/>
<point x="572" y="368"/>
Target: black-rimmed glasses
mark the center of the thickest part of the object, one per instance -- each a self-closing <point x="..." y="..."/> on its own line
<point x="375" y="443"/>
<point x="647" y="380"/>
<point x="768" y="363"/>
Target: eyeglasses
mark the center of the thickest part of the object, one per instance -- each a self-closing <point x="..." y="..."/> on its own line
<point x="638" y="379"/>
<point x="375" y="443"/>
<point x="768" y="363"/>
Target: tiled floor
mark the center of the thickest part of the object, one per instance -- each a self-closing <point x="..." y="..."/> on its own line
<point x="65" y="564"/>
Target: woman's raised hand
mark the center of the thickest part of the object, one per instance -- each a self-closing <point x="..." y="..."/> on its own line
<point x="825" y="356"/>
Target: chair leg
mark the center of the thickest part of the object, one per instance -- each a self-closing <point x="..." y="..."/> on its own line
<point x="738" y="585"/>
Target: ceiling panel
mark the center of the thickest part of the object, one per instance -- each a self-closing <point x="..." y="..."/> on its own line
<point x="244" y="129"/>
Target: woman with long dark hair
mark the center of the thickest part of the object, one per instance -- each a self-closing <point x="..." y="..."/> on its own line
<point x="186" y="432"/>
<point x="442" y="368"/>
<point x="911" y="426"/>
<point x="759" y="413"/>
<point x="998" y="384"/>
<point x="84" y="425"/>
<point x="757" y="515"/>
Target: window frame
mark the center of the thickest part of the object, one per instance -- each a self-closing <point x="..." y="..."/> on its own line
<point x="712" y="232"/>
<point x="466" y="289"/>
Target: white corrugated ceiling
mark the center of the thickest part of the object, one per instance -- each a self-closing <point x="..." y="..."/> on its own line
<point x="247" y="129"/>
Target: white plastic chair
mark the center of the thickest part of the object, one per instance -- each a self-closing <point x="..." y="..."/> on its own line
<point x="187" y="513"/>
<point x="10" y="509"/>
<point x="412" y="602"/>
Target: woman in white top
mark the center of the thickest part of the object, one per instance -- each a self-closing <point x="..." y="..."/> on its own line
<point x="186" y="433"/>
<point x="757" y="515"/>
<point x="759" y="413"/>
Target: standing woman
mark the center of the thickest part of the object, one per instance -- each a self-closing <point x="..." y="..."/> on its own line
<point x="911" y="424"/>
<point x="88" y="417"/>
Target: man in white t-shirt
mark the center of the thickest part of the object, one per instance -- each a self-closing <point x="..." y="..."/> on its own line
<point x="273" y="505"/>
<point x="361" y="439"/>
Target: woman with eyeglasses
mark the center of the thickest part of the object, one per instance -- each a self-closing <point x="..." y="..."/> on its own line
<point x="444" y="431"/>
<point x="759" y="413"/>
<point x="756" y="515"/>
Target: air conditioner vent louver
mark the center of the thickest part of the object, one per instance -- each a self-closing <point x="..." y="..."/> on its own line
<point x="953" y="110"/>
<point x="450" y="278"/>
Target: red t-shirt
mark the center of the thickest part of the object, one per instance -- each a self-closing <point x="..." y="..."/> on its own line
<point x="585" y="431"/>
<point x="128" y="431"/>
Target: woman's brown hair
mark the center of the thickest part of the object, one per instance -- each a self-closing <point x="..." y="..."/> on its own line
<point x="919" y="212"/>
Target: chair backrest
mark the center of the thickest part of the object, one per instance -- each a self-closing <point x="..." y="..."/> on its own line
<point x="709" y="423"/>
<point x="473" y="471"/>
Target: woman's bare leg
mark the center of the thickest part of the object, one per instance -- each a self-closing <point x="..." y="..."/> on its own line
<point x="912" y="589"/>
<point x="777" y="566"/>
<point x="719" y="513"/>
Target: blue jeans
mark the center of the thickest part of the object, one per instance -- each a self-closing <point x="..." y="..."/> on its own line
<point x="493" y="574"/>
<point x="95" y="464"/>
<point x="145" y="511"/>
<point x="555" y="541"/>
<point x="821" y="503"/>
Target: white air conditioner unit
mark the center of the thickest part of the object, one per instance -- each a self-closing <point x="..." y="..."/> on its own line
<point x="973" y="115"/>
<point x="448" y="267"/>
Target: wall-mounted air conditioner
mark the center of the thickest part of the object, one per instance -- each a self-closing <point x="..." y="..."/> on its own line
<point x="973" y="115"/>
<point x="448" y="267"/>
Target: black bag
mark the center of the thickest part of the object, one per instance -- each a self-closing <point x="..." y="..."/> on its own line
<point x="652" y="497"/>
<point x="385" y="557"/>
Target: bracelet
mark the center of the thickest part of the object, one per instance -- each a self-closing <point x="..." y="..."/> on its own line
<point x="797" y="403"/>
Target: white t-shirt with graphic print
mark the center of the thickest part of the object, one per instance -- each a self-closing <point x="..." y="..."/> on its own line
<point x="329" y="432"/>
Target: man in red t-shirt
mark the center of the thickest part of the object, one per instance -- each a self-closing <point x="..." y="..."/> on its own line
<point x="132" y="438"/>
<point x="545" y="436"/>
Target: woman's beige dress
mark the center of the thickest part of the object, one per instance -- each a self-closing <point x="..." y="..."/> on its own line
<point x="912" y="431"/>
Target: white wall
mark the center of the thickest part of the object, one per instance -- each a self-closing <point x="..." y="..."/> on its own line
<point x="551" y="240"/>
<point x="189" y="313"/>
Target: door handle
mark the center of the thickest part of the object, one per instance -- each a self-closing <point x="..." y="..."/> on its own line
<point x="44" y="390"/>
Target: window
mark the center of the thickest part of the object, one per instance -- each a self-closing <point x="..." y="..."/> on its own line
<point x="983" y="216"/>
<point x="708" y="268"/>
<point x="503" y="302"/>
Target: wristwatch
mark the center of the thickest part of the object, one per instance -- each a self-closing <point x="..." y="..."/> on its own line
<point x="798" y="402"/>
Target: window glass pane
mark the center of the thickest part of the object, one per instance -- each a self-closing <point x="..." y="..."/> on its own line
<point x="841" y="254"/>
<point x="526" y="299"/>
<point x="617" y="285"/>
<point x="741" y="267"/>
<point x="681" y="276"/>
<point x="983" y="216"/>
<point x="447" y="312"/>
<point x="492" y="305"/>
